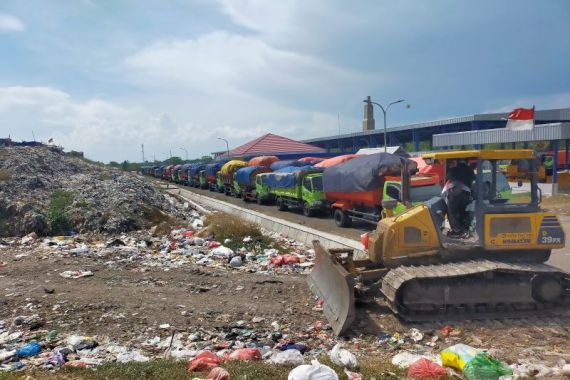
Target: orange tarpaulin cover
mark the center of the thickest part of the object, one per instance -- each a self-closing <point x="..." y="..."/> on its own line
<point x="262" y="161"/>
<point x="311" y="159"/>
<point x="335" y="160"/>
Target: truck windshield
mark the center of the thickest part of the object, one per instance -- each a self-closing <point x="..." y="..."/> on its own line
<point x="424" y="193"/>
<point x="317" y="183"/>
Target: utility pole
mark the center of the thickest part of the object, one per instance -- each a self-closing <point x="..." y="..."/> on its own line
<point x="142" y="149"/>
<point x="34" y="136"/>
<point x="170" y="151"/>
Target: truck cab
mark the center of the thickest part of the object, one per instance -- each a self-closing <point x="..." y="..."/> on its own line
<point x="422" y="189"/>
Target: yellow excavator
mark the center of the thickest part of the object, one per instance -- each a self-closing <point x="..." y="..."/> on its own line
<point x="426" y="274"/>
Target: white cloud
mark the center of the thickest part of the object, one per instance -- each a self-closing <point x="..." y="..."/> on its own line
<point x="10" y="23"/>
<point x="550" y="101"/>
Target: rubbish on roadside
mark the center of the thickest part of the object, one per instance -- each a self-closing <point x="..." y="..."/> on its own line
<point x="56" y="358"/>
<point x="4" y="355"/>
<point x="164" y="326"/>
<point x="352" y="375"/>
<point x="247" y="239"/>
<point x="220" y="250"/>
<point x="81" y="342"/>
<point x="294" y="346"/>
<point x="214" y="244"/>
<point x="405" y="359"/>
<point x="313" y="371"/>
<point x="416" y="335"/>
<point x="275" y="326"/>
<point x="30" y="349"/>
<point x="76" y="273"/>
<point x="218" y="373"/>
<point x="426" y="369"/>
<point x="457" y="356"/>
<point x="245" y="354"/>
<point x="203" y="362"/>
<point x="236" y="262"/>
<point x="132" y="356"/>
<point x="485" y="367"/>
<point x="342" y="357"/>
<point x="280" y="260"/>
<point x="227" y="241"/>
<point x="290" y="356"/>
<point x="81" y="249"/>
<point x="446" y="330"/>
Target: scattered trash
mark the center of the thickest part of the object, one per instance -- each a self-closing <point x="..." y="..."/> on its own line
<point x="76" y="273"/>
<point x="405" y="359"/>
<point x="236" y="262"/>
<point x="245" y="354"/>
<point x="132" y="356"/>
<point x="218" y="373"/>
<point x="313" y="371"/>
<point x="352" y="375"/>
<point x="458" y="356"/>
<point x="342" y="357"/>
<point x="485" y="367"/>
<point x="446" y="330"/>
<point x="294" y="346"/>
<point x="426" y="369"/>
<point x="280" y="260"/>
<point x="30" y="349"/>
<point x="416" y="335"/>
<point x="203" y="362"/>
<point x="290" y="356"/>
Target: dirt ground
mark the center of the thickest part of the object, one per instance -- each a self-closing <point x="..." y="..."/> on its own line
<point x="125" y="302"/>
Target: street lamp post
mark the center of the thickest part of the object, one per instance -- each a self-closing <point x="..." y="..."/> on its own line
<point x="227" y="145"/>
<point x="384" y="110"/>
<point x="185" y="151"/>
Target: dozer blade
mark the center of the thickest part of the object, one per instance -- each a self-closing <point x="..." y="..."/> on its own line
<point x="332" y="283"/>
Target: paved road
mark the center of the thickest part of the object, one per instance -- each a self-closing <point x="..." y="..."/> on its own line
<point x="559" y="258"/>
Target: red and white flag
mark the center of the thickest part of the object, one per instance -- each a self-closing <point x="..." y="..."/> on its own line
<point x="521" y="119"/>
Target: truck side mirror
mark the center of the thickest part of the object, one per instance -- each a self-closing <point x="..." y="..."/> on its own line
<point x="389" y="204"/>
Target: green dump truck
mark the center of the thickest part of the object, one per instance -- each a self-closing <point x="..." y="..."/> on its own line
<point x="294" y="187"/>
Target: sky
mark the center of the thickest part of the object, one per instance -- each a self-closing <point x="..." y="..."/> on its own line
<point x="105" y="76"/>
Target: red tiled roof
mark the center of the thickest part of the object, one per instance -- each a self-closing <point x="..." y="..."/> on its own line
<point x="273" y="144"/>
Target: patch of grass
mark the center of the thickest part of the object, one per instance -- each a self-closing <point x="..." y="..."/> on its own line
<point x="57" y="216"/>
<point x="5" y="175"/>
<point x="225" y="226"/>
<point x="105" y="176"/>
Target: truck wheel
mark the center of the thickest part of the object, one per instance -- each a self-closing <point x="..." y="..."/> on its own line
<point x="341" y="219"/>
<point x="307" y="210"/>
<point x="281" y="205"/>
<point x="258" y="200"/>
<point x="244" y="197"/>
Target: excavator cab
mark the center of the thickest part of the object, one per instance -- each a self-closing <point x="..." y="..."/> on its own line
<point x="427" y="273"/>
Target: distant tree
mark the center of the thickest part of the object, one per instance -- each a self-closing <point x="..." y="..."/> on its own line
<point x="125" y="165"/>
<point x="206" y="159"/>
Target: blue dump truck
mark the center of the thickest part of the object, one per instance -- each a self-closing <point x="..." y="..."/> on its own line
<point x="194" y="174"/>
<point x="244" y="182"/>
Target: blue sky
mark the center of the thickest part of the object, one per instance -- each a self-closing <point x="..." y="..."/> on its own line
<point x="105" y="76"/>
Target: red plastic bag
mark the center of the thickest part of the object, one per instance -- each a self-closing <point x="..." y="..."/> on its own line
<point x="204" y="361"/>
<point x="218" y="373"/>
<point x="213" y="244"/>
<point x="284" y="260"/>
<point x="426" y="369"/>
<point x="364" y="239"/>
<point x="188" y="233"/>
<point x="246" y="354"/>
<point x="446" y="330"/>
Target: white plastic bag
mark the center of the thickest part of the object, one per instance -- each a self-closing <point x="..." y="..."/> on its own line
<point x="343" y="357"/>
<point x="287" y="357"/>
<point x="313" y="371"/>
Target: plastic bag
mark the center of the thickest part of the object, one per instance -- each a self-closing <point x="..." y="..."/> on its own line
<point x="458" y="356"/>
<point x="426" y="369"/>
<point x="313" y="371"/>
<point x="292" y="356"/>
<point x="285" y="260"/>
<point x="352" y="375"/>
<point x="485" y="367"/>
<point x="204" y="361"/>
<point x="246" y="354"/>
<point x="218" y="373"/>
<point x="30" y="349"/>
<point x="342" y="357"/>
<point x="294" y="346"/>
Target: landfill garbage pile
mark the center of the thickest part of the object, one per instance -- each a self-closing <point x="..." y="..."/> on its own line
<point x="42" y="190"/>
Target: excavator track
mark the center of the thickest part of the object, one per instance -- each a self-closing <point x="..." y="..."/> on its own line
<point x="477" y="289"/>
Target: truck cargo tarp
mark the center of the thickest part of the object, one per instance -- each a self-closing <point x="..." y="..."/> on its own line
<point x="362" y="173"/>
<point x="336" y="160"/>
<point x="244" y="176"/>
<point x="232" y="166"/>
<point x="195" y="169"/>
<point x="212" y="169"/>
<point x="263" y="161"/>
<point x="282" y="164"/>
<point x="287" y="177"/>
